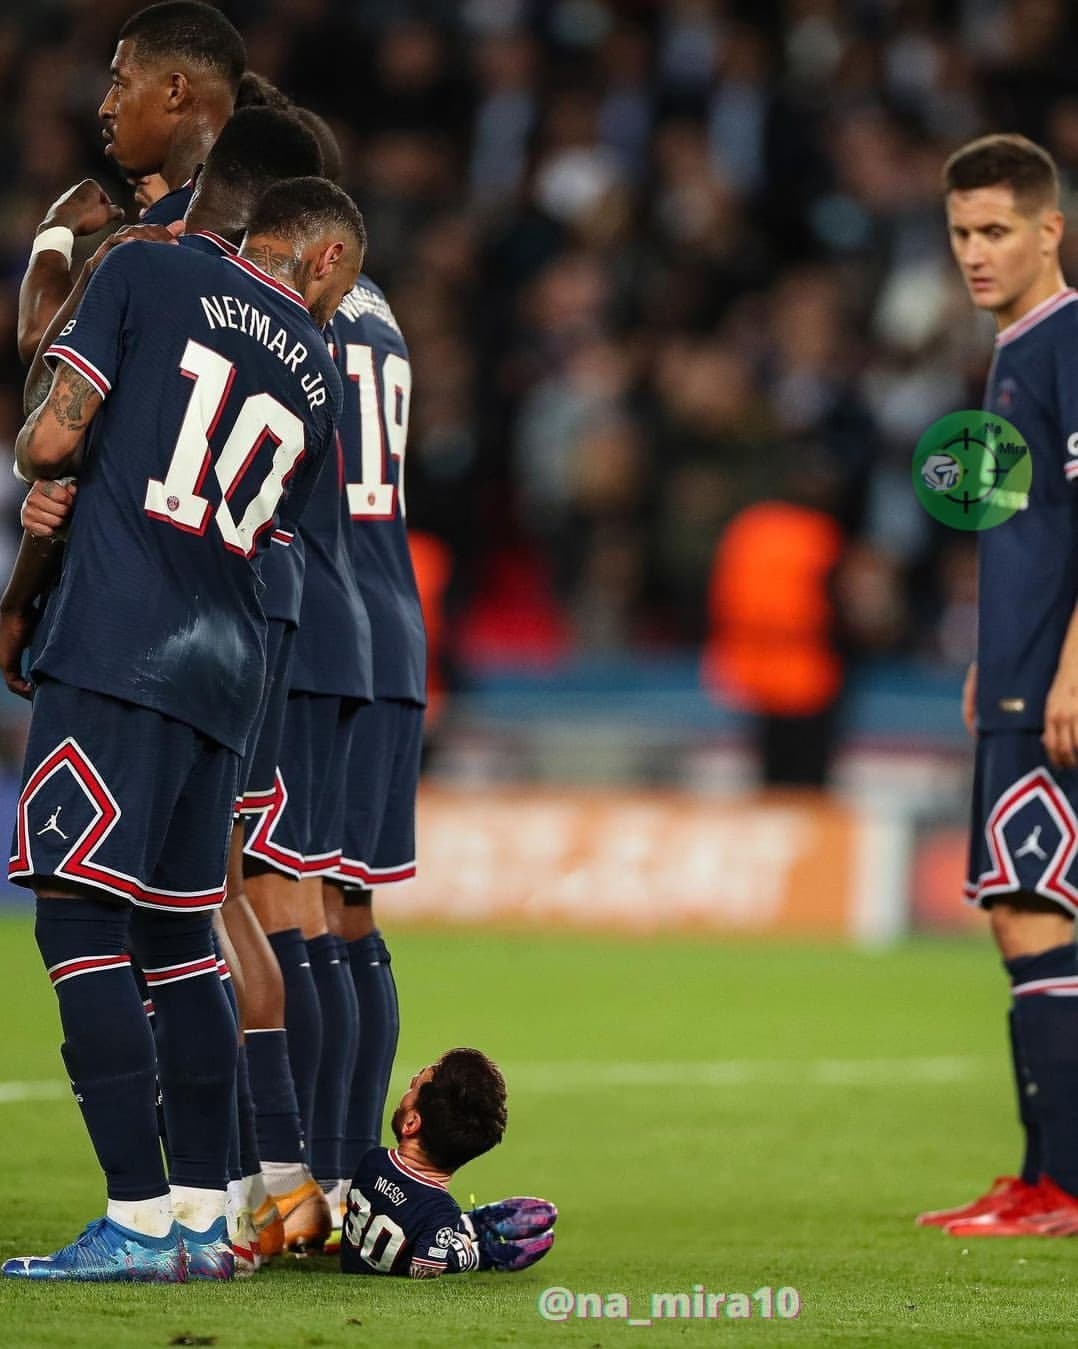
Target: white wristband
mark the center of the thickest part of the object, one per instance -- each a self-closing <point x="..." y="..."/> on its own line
<point x="56" y="239"/>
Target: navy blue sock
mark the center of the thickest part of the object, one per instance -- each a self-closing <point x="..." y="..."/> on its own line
<point x="250" y="1165"/>
<point x="147" y="1006"/>
<point x="379" y="1026"/>
<point x="1045" y="1007"/>
<point x="235" y="1170"/>
<point x="108" y="1047"/>
<point x="339" y="1025"/>
<point x="350" y="1054"/>
<point x="196" y="1042"/>
<point x="277" y="1122"/>
<point x="302" y="1020"/>
<point x="1027" y="1114"/>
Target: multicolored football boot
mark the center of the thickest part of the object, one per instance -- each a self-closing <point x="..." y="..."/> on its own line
<point x="105" y="1252"/>
<point x="208" y="1255"/>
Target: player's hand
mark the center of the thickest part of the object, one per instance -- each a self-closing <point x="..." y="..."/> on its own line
<point x="513" y="1233"/>
<point x="1060" y="738"/>
<point x="154" y="234"/>
<point x="47" y="507"/>
<point x="83" y="209"/>
<point x="969" y="699"/>
<point x="16" y="629"/>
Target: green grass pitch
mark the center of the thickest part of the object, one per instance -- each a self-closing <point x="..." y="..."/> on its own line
<point x="731" y="1116"/>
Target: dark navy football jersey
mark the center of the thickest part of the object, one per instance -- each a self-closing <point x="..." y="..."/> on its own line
<point x="398" y="1222"/>
<point x="372" y="359"/>
<point x="220" y="401"/>
<point x="169" y="208"/>
<point x="1028" y="573"/>
<point x="281" y="564"/>
<point x="332" y="649"/>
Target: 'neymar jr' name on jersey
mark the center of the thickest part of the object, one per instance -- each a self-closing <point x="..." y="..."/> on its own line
<point x="225" y="311"/>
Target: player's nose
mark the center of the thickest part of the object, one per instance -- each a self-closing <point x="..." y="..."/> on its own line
<point x="106" y="112"/>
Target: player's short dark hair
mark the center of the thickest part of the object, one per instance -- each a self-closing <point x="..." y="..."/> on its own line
<point x="255" y="91"/>
<point x="259" y="147"/>
<point x="1005" y="160"/>
<point x="461" y="1109"/>
<point x="191" y="31"/>
<point x="297" y="209"/>
<point x="332" y="160"/>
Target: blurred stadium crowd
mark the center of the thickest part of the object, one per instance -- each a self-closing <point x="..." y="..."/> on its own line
<point x="656" y="260"/>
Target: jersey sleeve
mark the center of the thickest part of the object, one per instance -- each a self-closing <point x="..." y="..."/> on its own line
<point x="92" y="342"/>
<point x="441" y="1247"/>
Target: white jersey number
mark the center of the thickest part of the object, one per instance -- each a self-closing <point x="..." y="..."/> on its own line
<point x="373" y="498"/>
<point x="364" y="1232"/>
<point x="177" y="498"/>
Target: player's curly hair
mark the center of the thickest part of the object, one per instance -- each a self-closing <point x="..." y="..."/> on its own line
<point x="190" y="30"/>
<point x="462" y="1108"/>
<point x="1005" y="160"/>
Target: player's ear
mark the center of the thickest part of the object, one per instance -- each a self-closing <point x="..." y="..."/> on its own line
<point x="1051" y="230"/>
<point x="179" y="91"/>
<point x="411" y="1124"/>
<point x="327" y="259"/>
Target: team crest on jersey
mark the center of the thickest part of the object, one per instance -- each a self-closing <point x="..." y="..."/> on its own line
<point x="1006" y="396"/>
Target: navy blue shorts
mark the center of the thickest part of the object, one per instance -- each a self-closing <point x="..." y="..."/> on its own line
<point x="123" y="799"/>
<point x="298" y="831"/>
<point x="1024" y="828"/>
<point x="378" y="842"/>
<point x="259" y="771"/>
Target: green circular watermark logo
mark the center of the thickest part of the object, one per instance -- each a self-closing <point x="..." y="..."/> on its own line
<point x="972" y="470"/>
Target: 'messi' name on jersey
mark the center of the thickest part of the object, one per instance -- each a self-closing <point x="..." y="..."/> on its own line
<point x="392" y="1192"/>
<point x="226" y="311"/>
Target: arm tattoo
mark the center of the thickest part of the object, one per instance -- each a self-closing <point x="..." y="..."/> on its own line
<point x="282" y="265"/>
<point x="67" y="399"/>
<point x="36" y="393"/>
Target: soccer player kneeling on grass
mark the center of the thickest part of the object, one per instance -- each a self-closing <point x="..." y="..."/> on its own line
<point x="401" y="1218"/>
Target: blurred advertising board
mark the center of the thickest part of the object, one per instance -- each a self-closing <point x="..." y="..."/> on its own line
<point x="782" y="865"/>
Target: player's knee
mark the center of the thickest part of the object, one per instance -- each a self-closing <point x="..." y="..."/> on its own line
<point x="1027" y="924"/>
<point x="167" y="939"/>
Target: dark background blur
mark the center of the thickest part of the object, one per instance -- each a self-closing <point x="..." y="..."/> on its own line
<point x="656" y="262"/>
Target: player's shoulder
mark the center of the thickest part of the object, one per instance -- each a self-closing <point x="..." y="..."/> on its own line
<point x="1047" y="325"/>
<point x="366" y="306"/>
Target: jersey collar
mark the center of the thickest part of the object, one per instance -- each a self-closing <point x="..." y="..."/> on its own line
<point x="264" y="277"/>
<point x="223" y="244"/>
<point x="1039" y="312"/>
<point x="401" y="1165"/>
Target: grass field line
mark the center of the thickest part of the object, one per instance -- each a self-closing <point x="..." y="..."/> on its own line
<point x="578" y="1075"/>
<point x="11" y="1093"/>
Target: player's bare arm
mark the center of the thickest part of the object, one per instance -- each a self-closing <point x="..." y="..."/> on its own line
<point x="1060" y="737"/>
<point x="34" y="573"/>
<point x="969" y="699"/>
<point x="39" y="378"/>
<point x="84" y="209"/>
<point x="49" y="443"/>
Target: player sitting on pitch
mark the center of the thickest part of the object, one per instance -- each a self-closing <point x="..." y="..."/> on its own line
<point x="401" y="1218"/>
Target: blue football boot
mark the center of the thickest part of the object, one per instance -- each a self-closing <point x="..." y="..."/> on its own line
<point x="105" y="1252"/>
<point x="208" y="1255"/>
